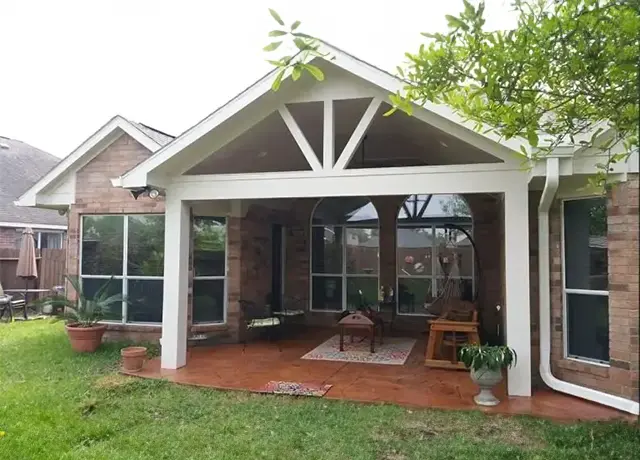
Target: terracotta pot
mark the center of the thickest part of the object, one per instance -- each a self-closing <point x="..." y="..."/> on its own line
<point x="133" y="358"/>
<point x="85" y="339"/>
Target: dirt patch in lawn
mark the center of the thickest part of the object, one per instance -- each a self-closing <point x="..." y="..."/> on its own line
<point x="475" y="427"/>
<point x="115" y="382"/>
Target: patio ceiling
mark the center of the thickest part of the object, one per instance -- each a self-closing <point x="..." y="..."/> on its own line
<point x="391" y="141"/>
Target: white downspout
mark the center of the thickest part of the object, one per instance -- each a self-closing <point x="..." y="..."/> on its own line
<point x="548" y="194"/>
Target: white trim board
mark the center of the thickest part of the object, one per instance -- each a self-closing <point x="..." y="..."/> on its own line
<point x="439" y="116"/>
<point x="19" y="225"/>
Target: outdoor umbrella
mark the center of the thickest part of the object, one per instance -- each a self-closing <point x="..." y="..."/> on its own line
<point x="27" y="269"/>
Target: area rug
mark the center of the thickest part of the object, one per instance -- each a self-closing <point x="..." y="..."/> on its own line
<point x="295" y="389"/>
<point x="394" y="351"/>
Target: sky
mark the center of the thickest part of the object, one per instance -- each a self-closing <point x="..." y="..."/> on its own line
<point x="67" y="67"/>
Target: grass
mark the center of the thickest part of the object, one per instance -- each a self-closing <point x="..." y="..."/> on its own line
<point x="55" y="404"/>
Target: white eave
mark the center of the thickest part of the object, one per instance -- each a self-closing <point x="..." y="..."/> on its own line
<point x="97" y="142"/>
<point x="437" y="115"/>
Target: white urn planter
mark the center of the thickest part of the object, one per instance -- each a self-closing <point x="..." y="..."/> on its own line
<point x="486" y="379"/>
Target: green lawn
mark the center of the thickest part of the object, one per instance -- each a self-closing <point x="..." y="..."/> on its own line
<point x="58" y="405"/>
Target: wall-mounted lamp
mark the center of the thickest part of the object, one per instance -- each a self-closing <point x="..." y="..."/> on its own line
<point x="152" y="193"/>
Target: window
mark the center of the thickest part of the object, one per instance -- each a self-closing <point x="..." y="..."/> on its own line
<point x="344" y="254"/>
<point x="586" y="295"/>
<point x="131" y="249"/>
<point x="429" y="227"/>
<point x="209" y="265"/>
<point x="42" y="240"/>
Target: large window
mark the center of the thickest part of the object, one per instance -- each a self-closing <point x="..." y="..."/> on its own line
<point x="131" y="250"/>
<point x="586" y="279"/>
<point x="428" y="229"/>
<point x="209" y="266"/>
<point x="344" y="254"/>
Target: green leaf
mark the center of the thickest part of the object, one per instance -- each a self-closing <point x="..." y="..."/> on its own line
<point x="295" y="25"/>
<point x="300" y="44"/>
<point x="272" y="46"/>
<point x="296" y="72"/>
<point x="276" y="83"/>
<point x="277" y="33"/>
<point x="456" y="23"/>
<point x="315" y="71"/>
<point x="276" y="16"/>
<point x="532" y="137"/>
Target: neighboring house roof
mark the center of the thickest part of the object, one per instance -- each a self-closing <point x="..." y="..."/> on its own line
<point x="22" y="165"/>
<point x="158" y="136"/>
<point x="150" y="138"/>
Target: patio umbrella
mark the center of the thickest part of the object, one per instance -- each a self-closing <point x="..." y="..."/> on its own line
<point x="27" y="268"/>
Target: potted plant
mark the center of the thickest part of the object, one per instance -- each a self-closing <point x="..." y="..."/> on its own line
<point x="82" y="315"/>
<point x="486" y="363"/>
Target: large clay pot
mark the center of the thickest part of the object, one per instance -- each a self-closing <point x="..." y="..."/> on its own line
<point x="486" y="379"/>
<point x="133" y="358"/>
<point x="85" y="339"/>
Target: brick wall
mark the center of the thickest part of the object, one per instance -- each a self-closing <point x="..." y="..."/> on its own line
<point x="621" y="378"/>
<point x="8" y="237"/>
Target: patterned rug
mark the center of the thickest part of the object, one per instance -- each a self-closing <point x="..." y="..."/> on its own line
<point x="295" y="389"/>
<point x="394" y="351"/>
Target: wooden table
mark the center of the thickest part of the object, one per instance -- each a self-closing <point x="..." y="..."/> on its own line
<point x="360" y="321"/>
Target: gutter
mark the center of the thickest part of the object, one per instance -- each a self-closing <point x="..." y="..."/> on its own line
<point x="548" y="194"/>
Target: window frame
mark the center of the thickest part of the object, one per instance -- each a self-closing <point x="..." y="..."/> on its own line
<point x="124" y="277"/>
<point x="224" y="278"/>
<point x="344" y="276"/>
<point x="433" y="276"/>
<point x="566" y="291"/>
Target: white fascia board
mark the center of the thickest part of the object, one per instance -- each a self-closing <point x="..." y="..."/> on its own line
<point x="438" y="115"/>
<point x="32" y="226"/>
<point x="81" y="155"/>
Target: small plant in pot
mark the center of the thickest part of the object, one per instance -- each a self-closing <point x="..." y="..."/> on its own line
<point x="82" y="316"/>
<point x="486" y="363"/>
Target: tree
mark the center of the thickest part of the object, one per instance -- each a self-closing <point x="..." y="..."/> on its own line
<point x="567" y="73"/>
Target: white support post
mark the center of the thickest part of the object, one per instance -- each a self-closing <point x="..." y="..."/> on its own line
<point x="176" y="281"/>
<point x="328" y="136"/>
<point x="516" y="268"/>
<point x="358" y="134"/>
<point x="300" y="138"/>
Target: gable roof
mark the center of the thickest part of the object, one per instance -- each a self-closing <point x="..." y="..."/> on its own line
<point x="437" y="115"/>
<point x="149" y="137"/>
<point x="22" y="165"/>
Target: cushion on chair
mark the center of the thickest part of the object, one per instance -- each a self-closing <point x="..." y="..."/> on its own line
<point x="289" y="313"/>
<point x="263" y="322"/>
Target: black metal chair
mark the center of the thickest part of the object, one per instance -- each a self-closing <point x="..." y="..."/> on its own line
<point x="8" y="304"/>
<point x="259" y="318"/>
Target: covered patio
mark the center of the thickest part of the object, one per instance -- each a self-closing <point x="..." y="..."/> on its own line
<point x="412" y="385"/>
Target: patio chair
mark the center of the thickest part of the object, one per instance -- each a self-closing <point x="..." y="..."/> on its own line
<point x="9" y="305"/>
<point x="293" y="313"/>
<point x="259" y="318"/>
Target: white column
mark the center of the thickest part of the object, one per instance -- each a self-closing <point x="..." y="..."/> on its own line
<point x="518" y="315"/>
<point x="328" y="136"/>
<point x="176" y="281"/>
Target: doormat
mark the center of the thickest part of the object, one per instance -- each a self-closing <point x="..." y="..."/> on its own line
<point x="295" y="388"/>
<point x="394" y="351"/>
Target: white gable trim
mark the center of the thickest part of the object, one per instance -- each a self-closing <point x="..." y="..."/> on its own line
<point x="439" y="116"/>
<point x="101" y="139"/>
<point x="21" y="225"/>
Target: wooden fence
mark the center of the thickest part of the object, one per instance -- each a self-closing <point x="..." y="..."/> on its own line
<point x="51" y="268"/>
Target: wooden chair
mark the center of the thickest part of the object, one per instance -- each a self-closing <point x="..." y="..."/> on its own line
<point x="456" y="327"/>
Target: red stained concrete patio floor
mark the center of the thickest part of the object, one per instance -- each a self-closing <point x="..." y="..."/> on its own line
<point x="412" y="384"/>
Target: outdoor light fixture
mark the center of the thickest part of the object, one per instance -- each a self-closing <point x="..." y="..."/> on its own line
<point x="152" y="193"/>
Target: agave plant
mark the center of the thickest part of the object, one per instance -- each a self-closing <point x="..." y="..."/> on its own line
<point x="494" y="358"/>
<point x="85" y="311"/>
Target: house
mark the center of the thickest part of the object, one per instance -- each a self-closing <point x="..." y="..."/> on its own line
<point x="286" y="193"/>
<point x="21" y="165"/>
